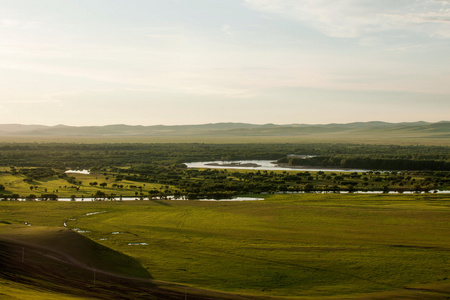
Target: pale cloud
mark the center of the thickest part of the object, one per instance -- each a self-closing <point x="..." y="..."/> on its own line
<point x="161" y="32"/>
<point x="357" y="18"/>
<point x="227" y="30"/>
<point x="200" y="58"/>
<point x="11" y="23"/>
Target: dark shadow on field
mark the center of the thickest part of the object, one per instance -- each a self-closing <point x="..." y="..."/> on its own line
<point x="44" y="269"/>
<point x="65" y="246"/>
<point x="38" y="260"/>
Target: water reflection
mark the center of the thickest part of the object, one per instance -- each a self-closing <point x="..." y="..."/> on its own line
<point x="267" y="165"/>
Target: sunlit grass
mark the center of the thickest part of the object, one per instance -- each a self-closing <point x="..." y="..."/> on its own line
<point x="376" y="138"/>
<point x="14" y="290"/>
<point x="296" y="245"/>
<point x="15" y="184"/>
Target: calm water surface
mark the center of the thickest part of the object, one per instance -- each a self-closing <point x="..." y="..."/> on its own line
<point x="267" y="165"/>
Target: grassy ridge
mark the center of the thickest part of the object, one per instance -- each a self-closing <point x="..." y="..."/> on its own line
<point x="52" y="263"/>
<point x="366" y="132"/>
<point x="78" y="247"/>
<point x="287" y="245"/>
<point x="380" y="138"/>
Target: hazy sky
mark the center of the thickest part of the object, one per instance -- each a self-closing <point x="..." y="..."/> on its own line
<point x="147" y="62"/>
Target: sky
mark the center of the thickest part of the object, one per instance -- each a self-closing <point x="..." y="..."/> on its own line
<point x="174" y="62"/>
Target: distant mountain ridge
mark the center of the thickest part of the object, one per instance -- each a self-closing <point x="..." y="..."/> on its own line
<point x="423" y="129"/>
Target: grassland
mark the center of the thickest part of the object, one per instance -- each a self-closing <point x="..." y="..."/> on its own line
<point x="108" y="184"/>
<point x="54" y="263"/>
<point x="17" y="291"/>
<point x="380" y="139"/>
<point x="366" y="132"/>
<point x="301" y="246"/>
<point x="15" y="184"/>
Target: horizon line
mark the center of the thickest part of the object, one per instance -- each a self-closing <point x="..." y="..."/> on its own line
<point x="217" y="123"/>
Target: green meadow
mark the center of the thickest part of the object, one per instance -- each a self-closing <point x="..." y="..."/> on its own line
<point x="296" y="246"/>
<point x="15" y="184"/>
<point x="414" y="133"/>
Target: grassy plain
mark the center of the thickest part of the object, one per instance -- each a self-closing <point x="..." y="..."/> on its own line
<point x="15" y="184"/>
<point x="380" y="138"/>
<point x="310" y="245"/>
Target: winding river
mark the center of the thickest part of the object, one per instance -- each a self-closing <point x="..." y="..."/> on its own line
<point x="267" y="165"/>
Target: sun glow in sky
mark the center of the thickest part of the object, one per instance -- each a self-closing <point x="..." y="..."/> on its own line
<point x="148" y="62"/>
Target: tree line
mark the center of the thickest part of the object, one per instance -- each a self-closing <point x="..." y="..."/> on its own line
<point x="366" y="162"/>
<point x="423" y="168"/>
<point x="67" y="155"/>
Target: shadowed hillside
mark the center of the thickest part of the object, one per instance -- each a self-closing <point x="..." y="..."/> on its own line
<point x="36" y="262"/>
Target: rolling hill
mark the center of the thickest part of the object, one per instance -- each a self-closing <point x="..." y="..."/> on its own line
<point x="58" y="263"/>
<point x="225" y="129"/>
<point x="414" y="132"/>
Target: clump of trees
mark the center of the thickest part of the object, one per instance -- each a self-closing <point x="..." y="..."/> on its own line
<point x="368" y="162"/>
